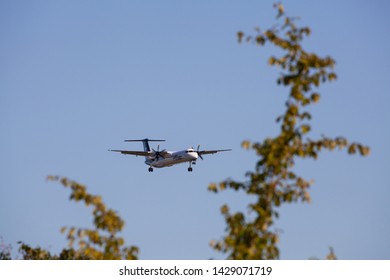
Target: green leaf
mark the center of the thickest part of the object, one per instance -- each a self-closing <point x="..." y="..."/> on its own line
<point x="305" y="128"/>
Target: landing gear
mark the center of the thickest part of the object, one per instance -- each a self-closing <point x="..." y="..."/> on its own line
<point x="150" y="169"/>
<point x="190" y="168"/>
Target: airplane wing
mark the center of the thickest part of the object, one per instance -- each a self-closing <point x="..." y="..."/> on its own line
<point x="152" y="154"/>
<point x="207" y="152"/>
<point x="136" y="153"/>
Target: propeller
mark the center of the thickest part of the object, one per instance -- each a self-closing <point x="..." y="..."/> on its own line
<point x="197" y="151"/>
<point x="158" y="154"/>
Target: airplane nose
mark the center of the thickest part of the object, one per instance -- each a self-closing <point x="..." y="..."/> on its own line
<point x="194" y="155"/>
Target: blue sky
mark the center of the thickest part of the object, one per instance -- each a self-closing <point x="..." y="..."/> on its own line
<point x="79" y="77"/>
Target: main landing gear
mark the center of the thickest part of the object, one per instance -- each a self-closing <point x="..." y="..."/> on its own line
<point x="150" y="169"/>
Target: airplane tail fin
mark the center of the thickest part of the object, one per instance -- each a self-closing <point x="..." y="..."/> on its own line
<point x="145" y="142"/>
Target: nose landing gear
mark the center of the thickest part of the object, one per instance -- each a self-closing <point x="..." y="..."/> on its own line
<point x="190" y="168"/>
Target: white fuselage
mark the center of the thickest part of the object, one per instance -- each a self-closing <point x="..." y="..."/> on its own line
<point x="172" y="158"/>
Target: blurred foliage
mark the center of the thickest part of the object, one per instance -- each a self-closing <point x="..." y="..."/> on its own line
<point x="273" y="182"/>
<point x="100" y="243"/>
<point x="331" y="255"/>
<point x="5" y="250"/>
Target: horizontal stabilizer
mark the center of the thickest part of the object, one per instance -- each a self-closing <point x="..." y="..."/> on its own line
<point x="146" y="140"/>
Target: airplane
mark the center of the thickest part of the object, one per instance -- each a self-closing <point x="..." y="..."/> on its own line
<point x="166" y="158"/>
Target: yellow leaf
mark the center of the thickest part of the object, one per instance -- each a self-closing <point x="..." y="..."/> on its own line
<point x="246" y="144"/>
<point x="224" y="209"/>
<point x="212" y="187"/>
<point x="62" y="230"/>
<point x="315" y="97"/>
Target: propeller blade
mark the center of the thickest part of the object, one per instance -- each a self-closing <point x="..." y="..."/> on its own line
<point x="158" y="154"/>
<point x="199" y="155"/>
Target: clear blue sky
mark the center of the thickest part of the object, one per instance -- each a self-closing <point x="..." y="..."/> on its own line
<point x="79" y="77"/>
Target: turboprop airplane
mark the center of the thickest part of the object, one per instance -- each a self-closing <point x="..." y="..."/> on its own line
<point x="165" y="158"/>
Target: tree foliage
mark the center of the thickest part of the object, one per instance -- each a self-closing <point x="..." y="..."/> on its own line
<point x="100" y="243"/>
<point x="5" y="250"/>
<point x="273" y="182"/>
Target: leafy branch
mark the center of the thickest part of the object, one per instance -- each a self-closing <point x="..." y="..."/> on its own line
<point x="273" y="182"/>
<point x="99" y="243"/>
